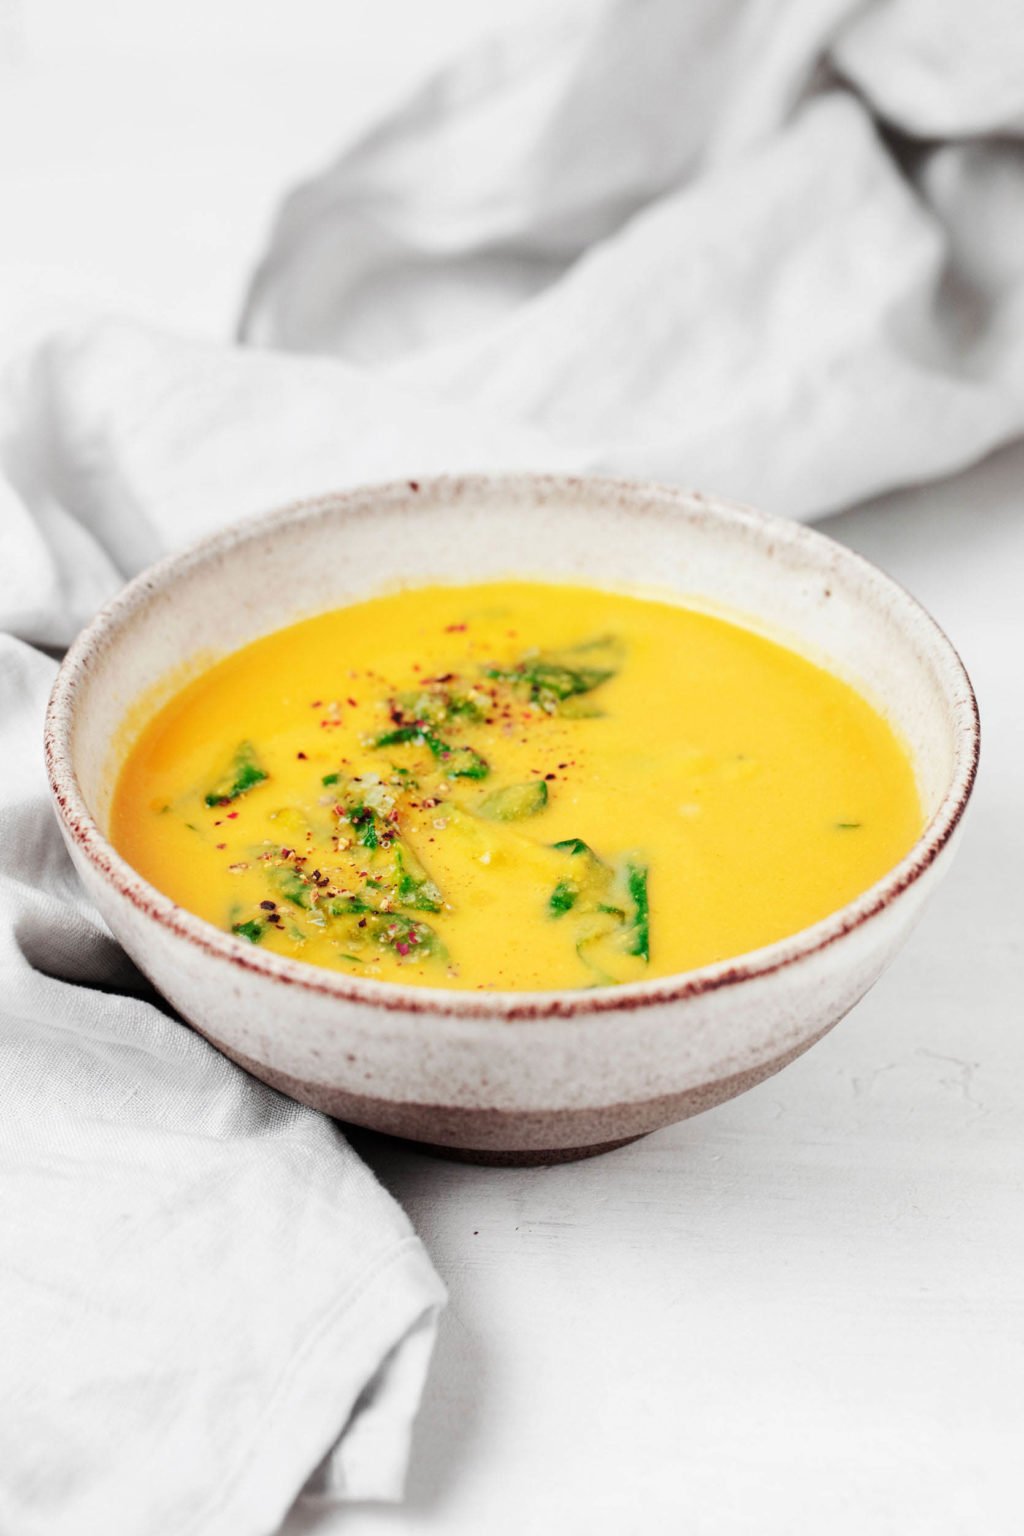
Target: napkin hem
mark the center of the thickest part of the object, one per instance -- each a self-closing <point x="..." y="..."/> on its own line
<point x="311" y="1404"/>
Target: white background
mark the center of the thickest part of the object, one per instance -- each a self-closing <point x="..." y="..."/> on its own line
<point x="804" y="1311"/>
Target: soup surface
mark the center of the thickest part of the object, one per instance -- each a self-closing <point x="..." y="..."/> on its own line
<point x="514" y="786"/>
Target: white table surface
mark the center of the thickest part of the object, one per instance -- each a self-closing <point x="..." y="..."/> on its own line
<point x="801" y="1314"/>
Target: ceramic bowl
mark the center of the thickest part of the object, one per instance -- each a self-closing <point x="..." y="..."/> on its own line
<point x="527" y="1076"/>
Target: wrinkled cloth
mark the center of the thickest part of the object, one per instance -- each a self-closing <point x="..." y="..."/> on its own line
<point x="771" y="248"/>
<point x="775" y="250"/>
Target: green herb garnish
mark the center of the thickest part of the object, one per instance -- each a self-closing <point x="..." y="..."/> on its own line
<point x="289" y="884"/>
<point x="640" y="935"/>
<point x="458" y="762"/>
<point x="363" y="820"/>
<point x="415" y="887"/>
<point x="610" y="907"/>
<point x="573" y="845"/>
<point x="252" y="930"/>
<point x="592" y="878"/>
<point x="515" y="802"/>
<point x="244" y="774"/>
<point x="554" y="678"/>
<point x="406" y="936"/>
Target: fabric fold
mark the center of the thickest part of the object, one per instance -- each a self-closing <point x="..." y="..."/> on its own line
<point x="698" y="243"/>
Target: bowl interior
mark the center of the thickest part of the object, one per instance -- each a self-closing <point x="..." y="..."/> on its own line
<point x="795" y="584"/>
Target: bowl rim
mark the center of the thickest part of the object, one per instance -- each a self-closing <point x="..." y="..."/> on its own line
<point x="507" y="1006"/>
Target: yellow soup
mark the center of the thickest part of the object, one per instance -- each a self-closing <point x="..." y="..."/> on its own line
<point x="514" y="785"/>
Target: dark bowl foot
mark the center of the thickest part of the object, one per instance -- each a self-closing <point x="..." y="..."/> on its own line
<point x="492" y="1158"/>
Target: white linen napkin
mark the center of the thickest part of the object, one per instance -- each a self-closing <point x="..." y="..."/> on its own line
<point x="720" y="243"/>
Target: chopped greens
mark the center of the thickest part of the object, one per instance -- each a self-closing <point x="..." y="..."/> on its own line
<point x="458" y="762"/>
<point x="244" y="774"/>
<point x="251" y="930"/>
<point x="289" y="884"/>
<point x="555" y="678"/>
<point x="348" y="871"/>
<point x="415" y="887"/>
<point x="370" y="868"/>
<point x="515" y="802"/>
<point x="463" y="763"/>
<point x="640" y="934"/>
<point x="405" y="935"/>
<point x="611" y="905"/>
<point x="363" y="821"/>
<point x="434" y="706"/>
<point x="589" y="881"/>
<point x="572" y="845"/>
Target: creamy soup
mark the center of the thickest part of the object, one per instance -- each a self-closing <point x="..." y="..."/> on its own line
<point x="514" y="786"/>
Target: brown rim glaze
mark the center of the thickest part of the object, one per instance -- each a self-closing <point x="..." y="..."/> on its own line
<point x="511" y="1007"/>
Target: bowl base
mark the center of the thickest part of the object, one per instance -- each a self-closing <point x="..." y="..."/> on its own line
<point x="489" y="1136"/>
<point x="514" y="1158"/>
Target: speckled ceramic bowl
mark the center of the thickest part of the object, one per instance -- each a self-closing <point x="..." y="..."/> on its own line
<point x="526" y="1077"/>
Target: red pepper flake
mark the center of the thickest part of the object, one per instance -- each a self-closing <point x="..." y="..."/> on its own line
<point x="301" y="756"/>
<point x="232" y="815"/>
<point x="454" y="629"/>
<point x="317" y="704"/>
<point x="221" y="845"/>
<point x="352" y="703"/>
<point x="563" y="765"/>
<point x="216" y="823"/>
